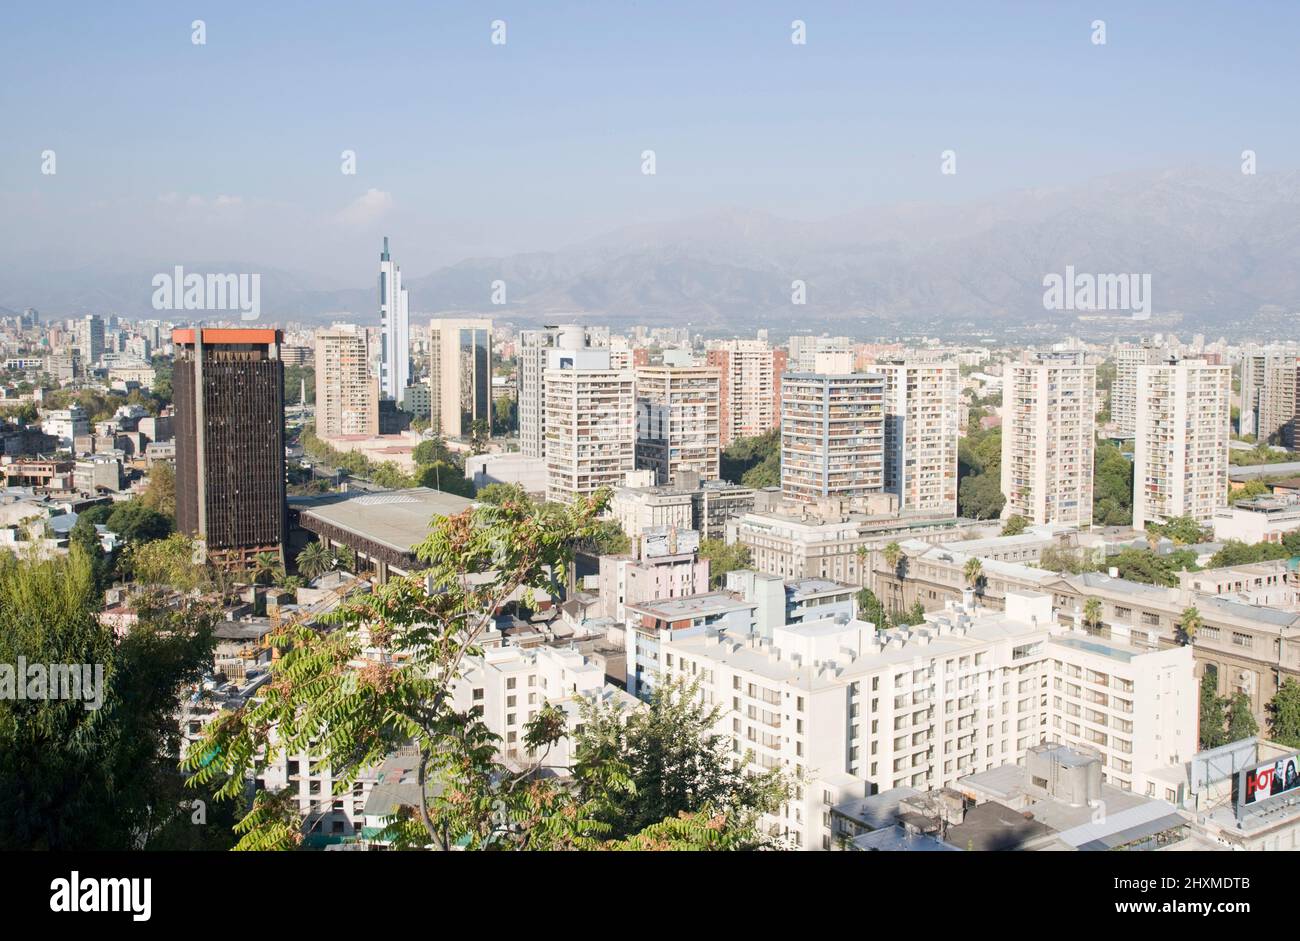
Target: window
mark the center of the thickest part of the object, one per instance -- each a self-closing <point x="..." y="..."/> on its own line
<point x="478" y="695"/>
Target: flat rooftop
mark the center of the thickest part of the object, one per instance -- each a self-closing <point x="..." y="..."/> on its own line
<point x="674" y="609"/>
<point x="398" y="519"/>
<point x="1097" y="645"/>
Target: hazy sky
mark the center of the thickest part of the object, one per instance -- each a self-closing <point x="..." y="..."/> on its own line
<point x="230" y="151"/>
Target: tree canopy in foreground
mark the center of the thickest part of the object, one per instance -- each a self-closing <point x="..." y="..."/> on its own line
<point x="643" y="785"/>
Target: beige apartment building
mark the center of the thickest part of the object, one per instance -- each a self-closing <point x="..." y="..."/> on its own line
<point x="1279" y="398"/>
<point x="922" y="407"/>
<point x="678" y="421"/>
<point x="1048" y="422"/>
<point x="750" y="375"/>
<point x="347" y="396"/>
<point x="1184" y="420"/>
<point x="460" y="375"/>
<point x="590" y="424"/>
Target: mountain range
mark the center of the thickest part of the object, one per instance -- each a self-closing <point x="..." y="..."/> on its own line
<point x="1222" y="250"/>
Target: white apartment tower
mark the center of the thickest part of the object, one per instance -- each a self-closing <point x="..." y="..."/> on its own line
<point x="678" y="413"/>
<point x="534" y="348"/>
<point x="347" y="396"/>
<point x="832" y="432"/>
<point x="1048" y="421"/>
<point x="1124" y="388"/>
<point x="395" y="343"/>
<point x="90" y="338"/>
<point x="1180" y="463"/>
<point x="922" y="412"/>
<point x="590" y="422"/>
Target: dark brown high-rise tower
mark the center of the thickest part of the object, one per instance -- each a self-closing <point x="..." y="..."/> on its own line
<point x="229" y="390"/>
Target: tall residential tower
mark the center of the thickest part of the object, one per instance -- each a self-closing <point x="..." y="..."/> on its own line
<point x="347" y="397"/>
<point x="1048" y="426"/>
<point x="395" y="349"/>
<point x="1180" y="460"/>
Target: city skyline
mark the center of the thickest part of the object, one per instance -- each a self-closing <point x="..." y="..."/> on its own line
<point x="814" y="428"/>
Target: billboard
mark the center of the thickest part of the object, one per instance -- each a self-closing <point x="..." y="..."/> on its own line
<point x="1270" y="780"/>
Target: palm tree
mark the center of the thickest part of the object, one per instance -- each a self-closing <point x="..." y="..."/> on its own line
<point x="1188" y="625"/>
<point x="974" y="572"/>
<point x="265" y="563"/>
<point x="314" y="560"/>
<point x="345" y="559"/>
<point x="893" y="555"/>
<point x="286" y="581"/>
<point x="1092" y="612"/>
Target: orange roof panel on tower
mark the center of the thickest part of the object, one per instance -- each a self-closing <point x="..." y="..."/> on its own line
<point x="220" y="335"/>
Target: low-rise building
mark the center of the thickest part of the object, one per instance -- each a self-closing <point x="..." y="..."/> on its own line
<point x="1257" y="519"/>
<point x="660" y="568"/>
<point x="1251" y="649"/>
<point x="510" y="685"/>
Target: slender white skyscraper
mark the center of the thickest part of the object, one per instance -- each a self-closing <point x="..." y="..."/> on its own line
<point x="395" y="355"/>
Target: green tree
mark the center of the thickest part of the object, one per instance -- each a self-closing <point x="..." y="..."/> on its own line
<point x="167" y="563"/>
<point x="979" y="472"/>
<point x="1251" y="488"/>
<point x="914" y="615"/>
<point x="973" y="572"/>
<point x="135" y="522"/>
<point x="1062" y="559"/>
<point x="753" y="461"/>
<point x="980" y="497"/>
<point x="1284" y="714"/>
<point x="265" y="565"/>
<point x="604" y="537"/>
<point x="505" y="416"/>
<point x="479" y="434"/>
<point x="1143" y="565"/>
<point x="314" y="560"/>
<point x="388" y="475"/>
<point x="1092" y="613"/>
<point x="345" y="558"/>
<point x="1235" y="552"/>
<point x="723" y="558"/>
<point x="1241" y="721"/>
<point x="1188" y="624"/>
<point x="434" y="450"/>
<point x="636" y="768"/>
<point x="1112" y="503"/>
<point x="162" y="379"/>
<point x="102" y="778"/>
<point x="1181" y="530"/>
<point x="1213" y="720"/>
<point x="449" y="478"/>
<point x="1015" y="525"/>
<point x="500" y="493"/>
<point x="160" y="494"/>
<point x="871" y="609"/>
<point x="349" y="720"/>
